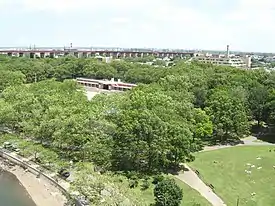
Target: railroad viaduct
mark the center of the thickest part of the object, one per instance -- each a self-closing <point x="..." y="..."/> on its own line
<point x="115" y="53"/>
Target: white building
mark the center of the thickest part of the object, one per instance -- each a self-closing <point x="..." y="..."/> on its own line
<point x="110" y="85"/>
<point x="225" y="60"/>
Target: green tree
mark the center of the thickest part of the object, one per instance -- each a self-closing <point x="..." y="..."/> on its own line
<point x="149" y="135"/>
<point x="258" y="97"/>
<point x="203" y="127"/>
<point x="168" y="193"/>
<point x="10" y="78"/>
<point x="228" y="114"/>
<point x="104" y="189"/>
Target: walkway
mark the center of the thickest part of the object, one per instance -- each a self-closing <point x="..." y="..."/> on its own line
<point x="248" y="141"/>
<point x="190" y="178"/>
<point x="42" y="190"/>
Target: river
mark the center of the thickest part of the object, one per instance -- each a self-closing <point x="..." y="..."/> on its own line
<point x="12" y="193"/>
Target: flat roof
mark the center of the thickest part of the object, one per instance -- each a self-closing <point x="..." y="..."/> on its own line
<point x="103" y="81"/>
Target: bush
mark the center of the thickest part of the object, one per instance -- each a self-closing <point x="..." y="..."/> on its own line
<point x="168" y="193"/>
<point x="133" y="183"/>
<point x="132" y="175"/>
<point x="157" y="179"/>
<point x="145" y="185"/>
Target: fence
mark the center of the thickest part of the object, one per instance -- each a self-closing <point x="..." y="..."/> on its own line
<point x="35" y="171"/>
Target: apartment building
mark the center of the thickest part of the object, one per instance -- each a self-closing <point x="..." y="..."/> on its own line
<point x="234" y="62"/>
<point x="225" y="60"/>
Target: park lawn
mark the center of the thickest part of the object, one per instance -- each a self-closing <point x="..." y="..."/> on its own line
<point x="225" y="170"/>
<point x="190" y="196"/>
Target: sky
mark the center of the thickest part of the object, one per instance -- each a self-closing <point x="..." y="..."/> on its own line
<point x="246" y="25"/>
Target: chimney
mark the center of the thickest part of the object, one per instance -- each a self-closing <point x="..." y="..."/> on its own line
<point x="118" y="80"/>
<point x="227" y="51"/>
<point x="113" y="79"/>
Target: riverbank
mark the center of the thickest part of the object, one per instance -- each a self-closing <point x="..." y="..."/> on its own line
<point x="41" y="191"/>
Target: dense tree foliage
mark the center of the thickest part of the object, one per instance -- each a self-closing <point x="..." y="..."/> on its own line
<point x="228" y="114"/>
<point x="104" y="190"/>
<point x="150" y="129"/>
<point x="167" y="193"/>
<point x="153" y="127"/>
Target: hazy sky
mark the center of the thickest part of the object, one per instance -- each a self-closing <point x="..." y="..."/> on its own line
<point x="246" y="25"/>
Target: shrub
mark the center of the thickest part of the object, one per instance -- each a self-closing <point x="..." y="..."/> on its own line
<point x="157" y="179"/>
<point x="133" y="183"/>
<point x="145" y="185"/>
<point x="132" y="175"/>
<point x="167" y="193"/>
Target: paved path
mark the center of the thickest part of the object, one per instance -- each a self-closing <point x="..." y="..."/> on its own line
<point x="248" y="141"/>
<point x="192" y="179"/>
<point x="251" y="140"/>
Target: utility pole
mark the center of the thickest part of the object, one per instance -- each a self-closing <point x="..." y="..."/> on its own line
<point x="238" y="200"/>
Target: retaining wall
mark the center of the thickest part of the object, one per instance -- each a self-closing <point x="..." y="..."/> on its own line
<point x="35" y="171"/>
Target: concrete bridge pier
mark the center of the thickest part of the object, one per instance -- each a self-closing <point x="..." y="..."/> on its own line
<point x="52" y="55"/>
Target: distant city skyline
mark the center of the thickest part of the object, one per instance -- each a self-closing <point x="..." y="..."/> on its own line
<point x="175" y="24"/>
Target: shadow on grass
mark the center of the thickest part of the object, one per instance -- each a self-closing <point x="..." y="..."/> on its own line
<point x="269" y="137"/>
<point x="266" y="134"/>
<point x="177" y="170"/>
<point x="231" y="142"/>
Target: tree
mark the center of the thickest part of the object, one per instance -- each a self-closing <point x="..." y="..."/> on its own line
<point x="10" y="78"/>
<point x="203" y="127"/>
<point x="168" y="193"/>
<point x="258" y="97"/>
<point x="228" y="114"/>
<point x="104" y="189"/>
<point x="8" y="116"/>
<point x="150" y="135"/>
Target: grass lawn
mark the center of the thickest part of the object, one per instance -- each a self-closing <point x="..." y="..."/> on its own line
<point x="190" y="197"/>
<point x="226" y="170"/>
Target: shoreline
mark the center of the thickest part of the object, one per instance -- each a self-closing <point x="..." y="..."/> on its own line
<point x="42" y="192"/>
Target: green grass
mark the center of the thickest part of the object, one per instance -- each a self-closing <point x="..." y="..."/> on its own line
<point x="225" y="170"/>
<point x="190" y="197"/>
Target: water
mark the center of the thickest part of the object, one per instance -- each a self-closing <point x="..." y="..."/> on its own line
<point x="12" y="193"/>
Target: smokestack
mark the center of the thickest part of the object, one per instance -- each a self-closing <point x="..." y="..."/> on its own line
<point x="227" y="51"/>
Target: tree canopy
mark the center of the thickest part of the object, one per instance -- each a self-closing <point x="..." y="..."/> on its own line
<point x="172" y="113"/>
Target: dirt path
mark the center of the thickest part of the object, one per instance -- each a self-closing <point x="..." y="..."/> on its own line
<point x="190" y="178"/>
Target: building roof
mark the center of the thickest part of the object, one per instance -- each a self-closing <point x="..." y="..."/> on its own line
<point x="111" y="82"/>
